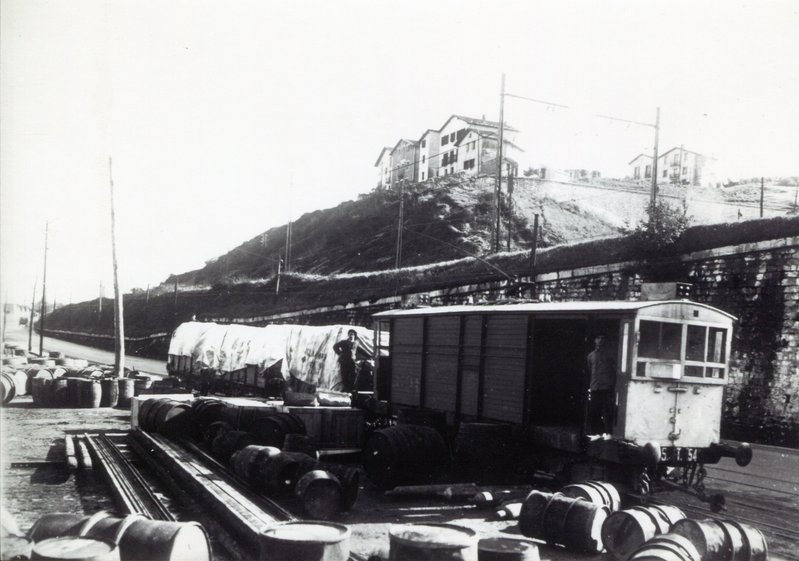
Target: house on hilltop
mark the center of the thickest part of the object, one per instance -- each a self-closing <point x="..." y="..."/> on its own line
<point x="461" y="145"/>
<point x="676" y="165"/>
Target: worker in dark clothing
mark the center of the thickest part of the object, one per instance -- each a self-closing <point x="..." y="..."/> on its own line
<point x="601" y="366"/>
<point x="346" y="349"/>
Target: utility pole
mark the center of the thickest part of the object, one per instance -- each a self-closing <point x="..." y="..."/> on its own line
<point x="100" y="302"/>
<point x="44" y="290"/>
<point x="119" y="321"/>
<point x="288" y="246"/>
<point x="533" y="255"/>
<point x="30" y="323"/>
<point x="762" y="191"/>
<point x="510" y="204"/>
<point x="498" y="189"/>
<point x="400" y="220"/>
<point x="277" y="282"/>
<point x="655" y="162"/>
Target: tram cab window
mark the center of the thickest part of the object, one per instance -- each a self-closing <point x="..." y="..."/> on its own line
<point x="659" y="340"/>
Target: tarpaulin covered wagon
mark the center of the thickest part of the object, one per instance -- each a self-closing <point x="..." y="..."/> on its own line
<point x="250" y="356"/>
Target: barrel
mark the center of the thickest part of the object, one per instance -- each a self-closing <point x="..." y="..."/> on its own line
<point x="272" y="430"/>
<point x="248" y="414"/>
<point x="506" y="549"/>
<point x="7" y="387"/>
<point x="60" y="392"/>
<point x="320" y="493"/>
<point x="226" y="443"/>
<point x="208" y="411"/>
<point x="405" y="454"/>
<point x="754" y="542"/>
<point x="109" y="392"/>
<point x="531" y="517"/>
<point x="125" y="392"/>
<point x="597" y="492"/>
<point x="484" y="451"/>
<point x="279" y="475"/>
<point x="210" y="432"/>
<point x="20" y="382"/>
<point x="90" y="393"/>
<point x="41" y="391"/>
<point x="147" y="409"/>
<point x="707" y="535"/>
<point x="428" y="542"/>
<point x="141" y="384"/>
<point x="248" y="461"/>
<point x="174" y="418"/>
<point x="625" y="531"/>
<point x="667" y="547"/>
<point x="350" y="479"/>
<point x="74" y="547"/>
<point x="138" y="538"/>
<point x="301" y="443"/>
<point x="574" y="523"/>
<point x="91" y="372"/>
<point x="305" y="541"/>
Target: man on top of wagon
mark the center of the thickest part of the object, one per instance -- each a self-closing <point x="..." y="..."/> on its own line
<point x="601" y="365"/>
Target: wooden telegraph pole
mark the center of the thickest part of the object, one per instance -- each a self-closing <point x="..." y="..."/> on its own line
<point x="119" y="327"/>
<point x="30" y="322"/>
<point x="498" y="188"/>
<point x="44" y="287"/>
<point x="654" y="194"/>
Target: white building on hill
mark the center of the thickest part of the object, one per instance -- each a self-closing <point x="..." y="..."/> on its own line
<point x="676" y="165"/>
<point x="461" y="145"/>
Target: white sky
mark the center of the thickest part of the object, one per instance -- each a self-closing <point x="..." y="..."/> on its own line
<point x="224" y="117"/>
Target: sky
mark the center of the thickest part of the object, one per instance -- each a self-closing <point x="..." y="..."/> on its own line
<point x="217" y="120"/>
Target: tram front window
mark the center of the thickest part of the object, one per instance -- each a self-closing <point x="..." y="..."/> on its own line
<point x="659" y="340"/>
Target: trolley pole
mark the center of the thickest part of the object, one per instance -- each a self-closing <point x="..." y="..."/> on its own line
<point x="400" y="220"/>
<point x="30" y="322"/>
<point x="511" y="180"/>
<point x="533" y="255"/>
<point x="498" y="189"/>
<point x="762" y="192"/>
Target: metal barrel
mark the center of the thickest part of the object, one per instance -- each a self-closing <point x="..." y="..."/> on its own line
<point x="320" y="493"/>
<point x="226" y="443"/>
<point x="175" y="418"/>
<point x="211" y="431"/>
<point x="506" y="549"/>
<point x="707" y="536"/>
<point x="247" y="461"/>
<point x="624" y="531"/>
<point x="667" y="547"/>
<point x="300" y="443"/>
<point x="89" y="393"/>
<point x="531" y="517"/>
<point x="405" y="454"/>
<point x="109" y="389"/>
<point x="597" y="492"/>
<point x="574" y="523"/>
<point x="126" y="391"/>
<point x="428" y="542"/>
<point x="272" y="430"/>
<point x="305" y="541"/>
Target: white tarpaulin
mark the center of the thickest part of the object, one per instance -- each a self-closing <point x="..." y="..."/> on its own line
<point x="306" y="351"/>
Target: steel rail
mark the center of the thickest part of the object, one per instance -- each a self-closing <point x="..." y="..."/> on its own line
<point x="126" y="498"/>
<point x="157" y="510"/>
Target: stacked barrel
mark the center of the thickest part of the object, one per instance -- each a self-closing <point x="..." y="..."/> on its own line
<point x="271" y="451"/>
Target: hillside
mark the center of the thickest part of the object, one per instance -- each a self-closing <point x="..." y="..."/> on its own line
<point x="445" y="219"/>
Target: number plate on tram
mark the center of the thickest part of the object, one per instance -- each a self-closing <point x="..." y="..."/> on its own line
<point x="676" y="454"/>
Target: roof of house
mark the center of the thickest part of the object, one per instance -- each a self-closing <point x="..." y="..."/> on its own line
<point x="383" y="151"/>
<point x="425" y="133"/>
<point x="663" y="155"/>
<point x="477" y="123"/>
<point x="403" y="141"/>
<point x="488" y="134"/>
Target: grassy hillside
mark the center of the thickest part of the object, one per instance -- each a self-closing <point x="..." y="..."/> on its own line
<point x="446" y="219"/>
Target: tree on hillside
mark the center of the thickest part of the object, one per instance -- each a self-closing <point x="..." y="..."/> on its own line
<point x="662" y="227"/>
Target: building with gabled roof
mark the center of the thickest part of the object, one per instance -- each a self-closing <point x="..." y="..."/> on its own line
<point x="676" y="165"/>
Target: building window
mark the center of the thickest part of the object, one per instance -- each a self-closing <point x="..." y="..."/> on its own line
<point x="424" y="143"/>
<point x="665" y="173"/>
<point x="422" y="176"/>
<point x="685" y="171"/>
<point x="445" y="161"/>
<point x="637" y="172"/>
<point x="423" y="157"/>
<point x="444" y="140"/>
<point x="452" y="170"/>
<point x="453" y="156"/>
<point x="468" y="164"/>
<point x="648" y="172"/>
<point x="452" y="137"/>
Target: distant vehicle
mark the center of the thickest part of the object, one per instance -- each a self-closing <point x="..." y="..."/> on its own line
<point x="23" y="321"/>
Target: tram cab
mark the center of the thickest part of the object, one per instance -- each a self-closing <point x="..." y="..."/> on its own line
<point x="525" y="365"/>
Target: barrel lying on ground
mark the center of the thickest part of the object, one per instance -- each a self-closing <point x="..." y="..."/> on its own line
<point x="560" y="520"/>
<point x="667" y="547"/>
<point x="597" y="492"/>
<point x="625" y="531"/>
<point x="506" y="549"/>
<point x="138" y="538"/>
<point x="320" y="493"/>
<point x="723" y="540"/>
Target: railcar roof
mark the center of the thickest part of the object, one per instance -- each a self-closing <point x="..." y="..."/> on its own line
<point x="545" y="307"/>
